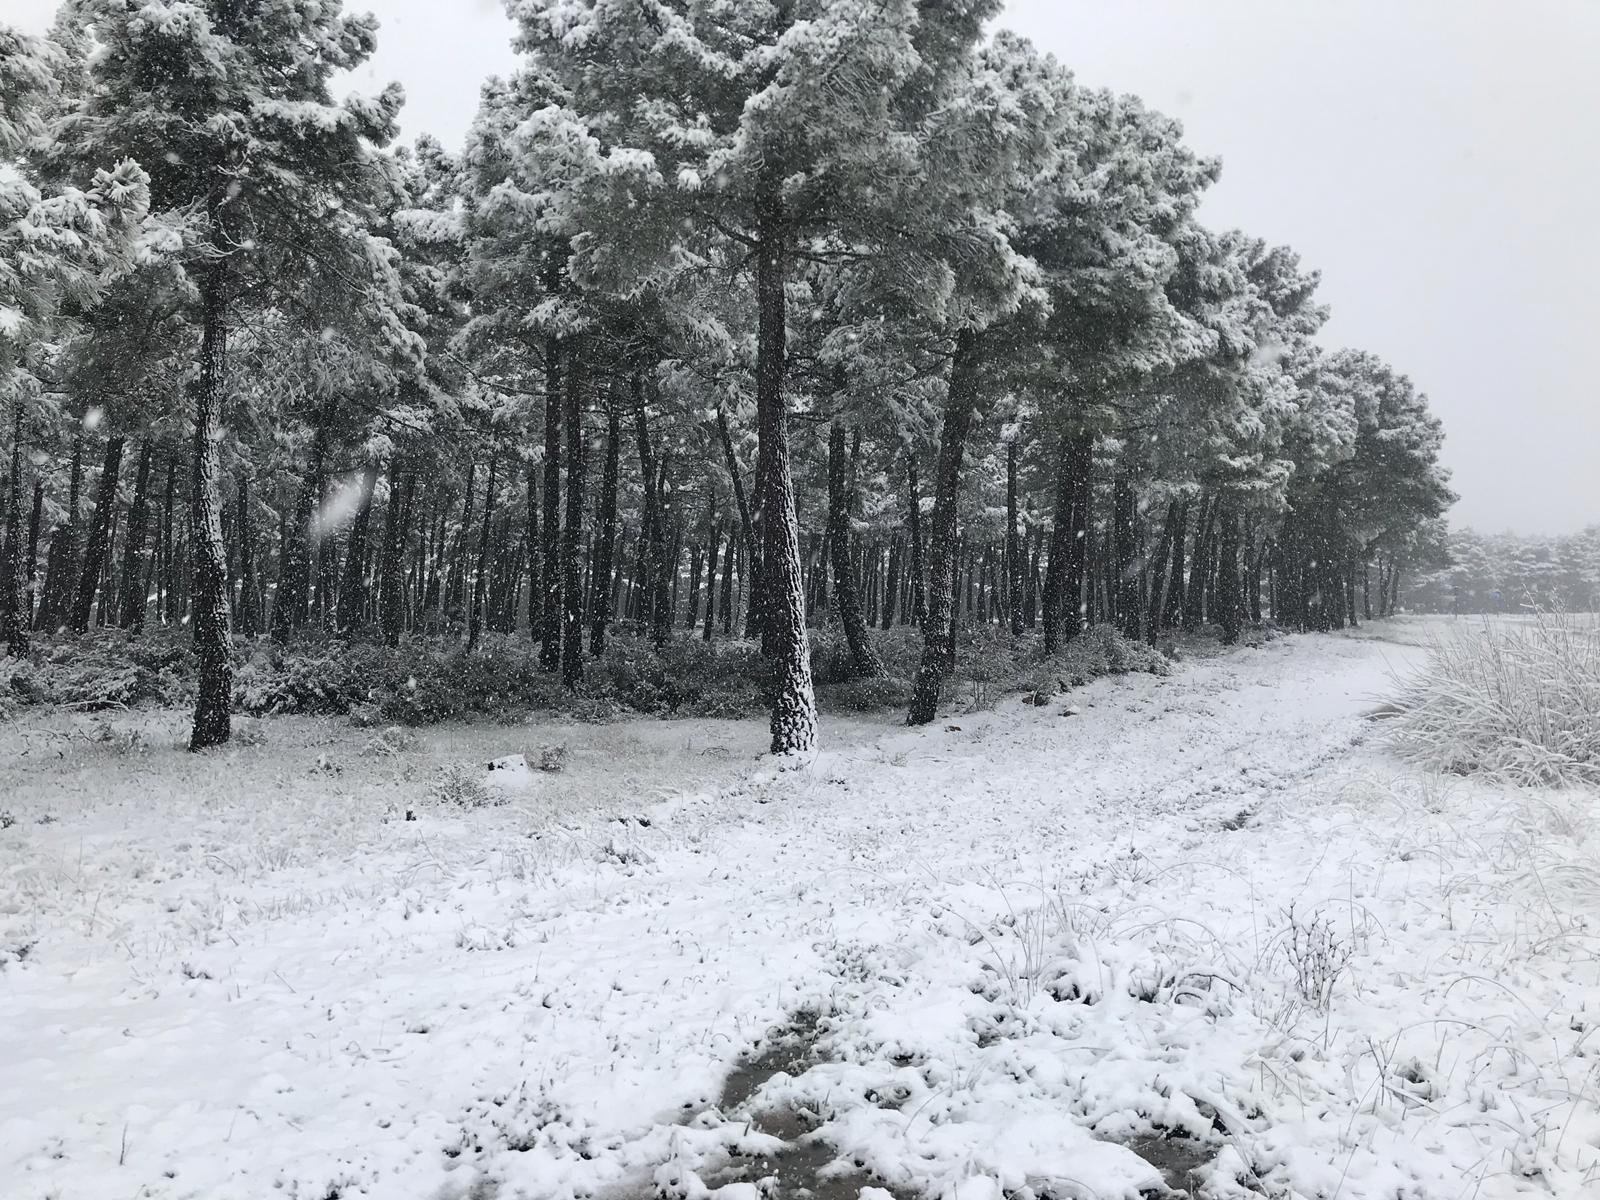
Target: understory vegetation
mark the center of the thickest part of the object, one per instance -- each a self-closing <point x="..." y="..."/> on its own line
<point x="426" y="681"/>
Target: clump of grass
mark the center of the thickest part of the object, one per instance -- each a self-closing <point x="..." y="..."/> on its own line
<point x="1519" y="702"/>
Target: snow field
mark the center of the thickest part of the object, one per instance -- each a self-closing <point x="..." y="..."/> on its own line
<point x="1205" y="905"/>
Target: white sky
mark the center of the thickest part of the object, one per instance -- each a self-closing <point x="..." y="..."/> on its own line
<point x="1437" y="160"/>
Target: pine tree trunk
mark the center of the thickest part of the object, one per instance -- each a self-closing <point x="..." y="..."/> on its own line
<point x="391" y="581"/>
<point x="1161" y="577"/>
<point x="891" y="583"/>
<point x="14" y="612"/>
<point x="169" y="570"/>
<point x="1055" y="601"/>
<point x="352" y="605"/>
<point x="942" y="545"/>
<point x="457" y="571"/>
<point x="535" y="543"/>
<point x="1230" y="600"/>
<point x="249" y="586"/>
<point x="61" y="561"/>
<point x="572" y="530"/>
<point x="1172" y="605"/>
<point x="550" y="518"/>
<point x="1126" y="555"/>
<point x="479" y="584"/>
<point x="1013" y="542"/>
<point x="712" y="551"/>
<point x="919" y="588"/>
<point x="131" y="596"/>
<point x="30" y="572"/>
<point x="864" y="661"/>
<point x="1195" y="588"/>
<point x="783" y="618"/>
<point x="727" y="584"/>
<point x="94" y="552"/>
<point x="601" y="606"/>
<point x="212" y="620"/>
<point x="652" y="565"/>
<point x="752" y="627"/>
<point x="106" y="604"/>
<point x="291" y="606"/>
<point x="1061" y="602"/>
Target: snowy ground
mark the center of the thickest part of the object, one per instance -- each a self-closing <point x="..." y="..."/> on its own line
<point x="1206" y="905"/>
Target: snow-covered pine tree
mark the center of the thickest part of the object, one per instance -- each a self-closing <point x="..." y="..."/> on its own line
<point x="770" y="127"/>
<point x="262" y="175"/>
<point x="57" y="251"/>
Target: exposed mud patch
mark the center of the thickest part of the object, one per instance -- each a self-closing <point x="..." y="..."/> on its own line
<point x="1179" y="1159"/>
<point x="804" y="1169"/>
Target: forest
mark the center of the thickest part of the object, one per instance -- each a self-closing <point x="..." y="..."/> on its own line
<point x="840" y="339"/>
<point x="1468" y="572"/>
<point x="790" y="618"/>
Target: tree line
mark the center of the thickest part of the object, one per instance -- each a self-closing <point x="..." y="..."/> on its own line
<point x="727" y="321"/>
<point x="1465" y="571"/>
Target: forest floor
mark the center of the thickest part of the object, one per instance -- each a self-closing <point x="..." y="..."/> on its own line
<point x="1196" y="931"/>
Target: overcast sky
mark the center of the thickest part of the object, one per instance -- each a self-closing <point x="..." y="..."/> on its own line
<point x="1437" y="160"/>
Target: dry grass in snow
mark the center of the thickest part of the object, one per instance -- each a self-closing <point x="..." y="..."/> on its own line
<point x="1515" y="699"/>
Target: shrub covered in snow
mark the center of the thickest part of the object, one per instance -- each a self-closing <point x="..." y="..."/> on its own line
<point x="462" y="785"/>
<point x="1519" y="701"/>
<point x="864" y="695"/>
<point x="427" y="681"/>
<point x="103" y="669"/>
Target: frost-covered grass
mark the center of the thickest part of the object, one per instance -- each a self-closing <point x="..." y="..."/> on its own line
<point x="1518" y="700"/>
<point x="1199" y="905"/>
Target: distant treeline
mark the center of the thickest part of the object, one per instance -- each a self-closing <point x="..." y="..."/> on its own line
<point x="1506" y="572"/>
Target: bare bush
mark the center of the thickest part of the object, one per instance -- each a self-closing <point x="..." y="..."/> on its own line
<point x="1317" y="957"/>
<point x="1516" y="700"/>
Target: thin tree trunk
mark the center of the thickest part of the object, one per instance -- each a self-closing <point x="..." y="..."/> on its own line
<point x="169" y="569"/>
<point x="550" y="518"/>
<point x="353" y="586"/>
<point x="249" y="587"/>
<point x="601" y="606"/>
<point x="480" y="573"/>
<point x="131" y="598"/>
<point x="891" y="583"/>
<point x="942" y="547"/>
<point x="1172" y="593"/>
<point x="652" y="567"/>
<point x="1230" y="600"/>
<point x="14" y="613"/>
<point x="292" y="605"/>
<point x="864" y="661"/>
<point x="94" y="553"/>
<point x="712" y="552"/>
<point x="1013" y="542"/>
<point x="1161" y="575"/>
<point x="1126" y="554"/>
<point x="746" y="524"/>
<point x="727" y="584"/>
<point x="61" y="561"/>
<point x="1194" y="589"/>
<point x="391" y="581"/>
<point x="919" y="589"/>
<point x="572" y="529"/>
<point x="30" y="574"/>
